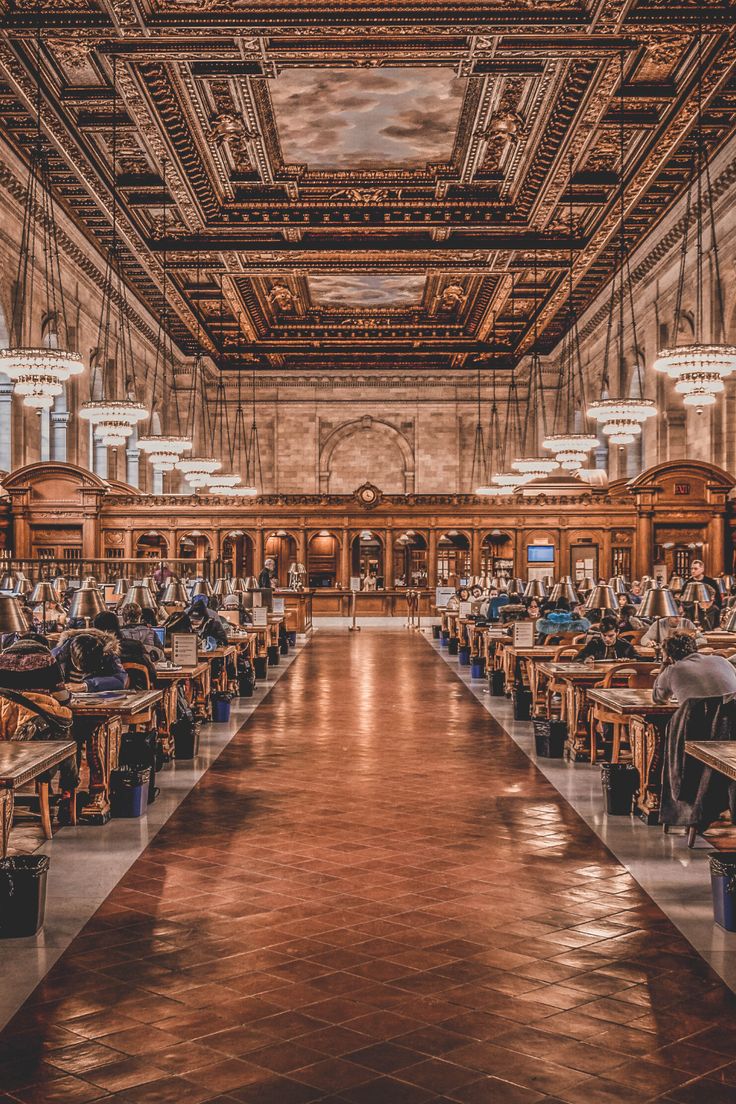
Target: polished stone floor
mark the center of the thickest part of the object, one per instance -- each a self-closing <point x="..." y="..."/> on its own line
<point x="374" y="896"/>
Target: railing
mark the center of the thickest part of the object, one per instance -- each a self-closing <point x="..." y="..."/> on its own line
<point x="106" y="570"/>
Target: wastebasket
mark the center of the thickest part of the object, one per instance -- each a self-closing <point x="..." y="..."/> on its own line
<point x="478" y="667"/>
<point x="723" y="888"/>
<point x="496" y="683"/>
<point x="22" y="895"/>
<point x="274" y="657"/>
<point x="453" y="646"/>
<point x="246" y="680"/>
<point x="522" y="700"/>
<point x="435" y="632"/>
<point x="549" y="738"/>
<point x="129" y="792"/>
<point x="463" y="655"/>
<point x="185" y="731"/>
<point x="220" y="710"/>
<point x="291" y="636"/>
<point x="261" y="666"/>
<point x="619" y="781"/>
<point x="444" y="638"/>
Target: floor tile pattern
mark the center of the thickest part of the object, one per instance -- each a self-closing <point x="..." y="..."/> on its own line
<point x="374" y="897"/>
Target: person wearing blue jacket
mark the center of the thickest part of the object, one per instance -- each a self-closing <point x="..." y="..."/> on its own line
<point x="560" y="621"/>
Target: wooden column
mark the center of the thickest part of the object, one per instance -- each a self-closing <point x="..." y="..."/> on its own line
<point x="716" y="559"/>
<point x="644" y="552"/>
<point x="388" y="559"/>
<point x="475" y="552"/>
<point x="432" y="559"/>
<point x="344" y="573"/>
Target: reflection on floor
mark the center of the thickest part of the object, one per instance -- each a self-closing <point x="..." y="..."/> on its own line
<point x="86" y="863"/>
<point x="374" y="897"/>
<point x="677" y="878"/>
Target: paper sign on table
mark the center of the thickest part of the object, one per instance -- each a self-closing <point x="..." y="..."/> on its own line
<point x="184" y="649"/>
<point x="523" y="634"/>
<point x="260" y="616"/>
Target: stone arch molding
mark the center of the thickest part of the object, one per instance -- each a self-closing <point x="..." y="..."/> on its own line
<point x="365" y="424"/>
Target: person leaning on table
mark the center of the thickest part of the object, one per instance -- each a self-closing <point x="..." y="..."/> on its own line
<point x="606" y="644"/>
<point x="687" y="673"/>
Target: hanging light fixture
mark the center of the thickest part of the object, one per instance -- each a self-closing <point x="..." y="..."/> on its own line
<point x="198" y="470"/>
<point x="534" y="466"/>
<point x="503" y="483"/>
<point x="114" y="420"/>
<point x="699" y="367"/>
<point x="222" y="483"/>
<point x="253" y="485"/>
<point x="621" y="419"/>
<point x="164" y="449"/>
<point x="570" y="447"/>
<point x="480" y="460"/>
<point x="39" y="373"/>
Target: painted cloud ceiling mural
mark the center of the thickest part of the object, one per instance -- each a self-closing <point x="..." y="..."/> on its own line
<point x="366" y="290"/>
<point x="343" y="118"/>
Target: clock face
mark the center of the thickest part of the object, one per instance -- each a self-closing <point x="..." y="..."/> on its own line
<point x="368" y="494"/>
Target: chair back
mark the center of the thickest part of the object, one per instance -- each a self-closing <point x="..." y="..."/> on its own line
<point x="138" y="676"/>
<point x="632" y="635"/>
<point x="633" y="676"/>
<point x="566" y="651"/>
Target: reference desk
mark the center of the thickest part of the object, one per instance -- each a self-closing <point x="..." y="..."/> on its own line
<point x="647" y="722"/>
<point x="21" y="761"/>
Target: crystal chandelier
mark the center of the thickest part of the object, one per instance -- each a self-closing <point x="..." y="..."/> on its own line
<point x="114" y="420"/>
<point x="570" y="449"/>
<point x="621" y="419"/>
<point x="164" y="449"/>
<point x="699" y="367"/>
<point x="39" y="372"/>
<point x="534" y="466"/>
<point x="198" y="470"/>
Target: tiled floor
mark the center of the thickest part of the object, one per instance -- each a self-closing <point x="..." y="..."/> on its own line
<point x="374" y="897"/>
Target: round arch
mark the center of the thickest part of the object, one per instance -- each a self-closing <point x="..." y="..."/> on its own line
<point x="364" y="425"/>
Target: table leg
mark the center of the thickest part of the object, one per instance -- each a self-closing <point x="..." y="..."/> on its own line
<point x="646" y="747"/>
<point x="577" y="745"/>
<point x="106" y="745"/>
<point x="6" y="817"/>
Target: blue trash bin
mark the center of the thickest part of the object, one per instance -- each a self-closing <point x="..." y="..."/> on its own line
<point x="478" y="667"/>
<point x="220" y="710"/>
<point x="723" y="888"/>
<point x="463" y="655"/>
<point x="129" y="792"/>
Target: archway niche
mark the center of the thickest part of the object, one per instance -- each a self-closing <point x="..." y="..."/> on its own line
<point x="367" y="560"/>
<point x="237" y="554"/>
<point x="410" y="559"/>
<point x="453" y="557"/>
<point x="366" y="451"/>
<point x="323" y="560"/>
<point x="281" y="548"/>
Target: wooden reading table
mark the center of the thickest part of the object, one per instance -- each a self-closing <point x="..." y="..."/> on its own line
<point x="647" y="721"/>
<point x="21" y="761"/>
<point x="521" y="660"/>
<point x="111" y="709"/>
<point x="718" y="754"/>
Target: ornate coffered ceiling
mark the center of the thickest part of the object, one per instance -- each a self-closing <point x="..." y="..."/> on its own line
<point x="369" y="182"/>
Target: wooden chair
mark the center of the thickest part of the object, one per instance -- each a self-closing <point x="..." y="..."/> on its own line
<point x="628" y="674"/>
<point x="141" y="678"/>
<point x="555" y="686"/>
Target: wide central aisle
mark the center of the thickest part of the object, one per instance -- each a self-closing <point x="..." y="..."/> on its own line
<point x="374" y="896"/>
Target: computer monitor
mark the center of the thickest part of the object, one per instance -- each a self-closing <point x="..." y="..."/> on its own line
<point x="231" y="616"/>
<point x="160" y="634"/>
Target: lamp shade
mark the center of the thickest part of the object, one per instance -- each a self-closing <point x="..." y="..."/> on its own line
<point x="535" y="588"/>
<point x="8" y="581"/>
<point x="222" y="587"/>
<point x="121" y="588"/>
<point x="90" y="582"/>
<point x="238" y="585"/>
<point x="585" y="585"/>
<point x="676" y="584"/>
<point x="141" y="594"/>
<point x="23" y="586"/>
<point x="12" y="618"/>
<point x="618" y="585"/>
<point x="729" y="625"/>
<point x="86" y="603"/>
<point x="698" y="592"/>
<point x="60" y="585"/>
<point x="201" y="586"/>
<point x="516" y="586"/>
<point x="42" y="592"/>
<point x="175" y="594"/>
<point x="658" y="602"/>
<point x="602" y="597"/>
<point x="251" y="583"/>
<point x="564" y="589"/>
<point x="724" y="583"/>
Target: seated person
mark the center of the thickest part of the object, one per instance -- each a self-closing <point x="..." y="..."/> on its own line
<point x="664" y="627"/>
<point x="54" y="620"/>
<point x="533" y="610"/>
<point x="709" y="615"/>
<point x="635" y="595"/>
<point x="687" y="673"/>
<point x="132" y="650"/>
<point x="561" y="620"/>
<point x="606" y="644"/>
<point x="206" y="623"/>
<point x="90" y="660"/>
<point x="133" y="629"/>
<point x="150" y="617"/>
<point x="28" y="668"/>
<point x="627" y="619"/>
